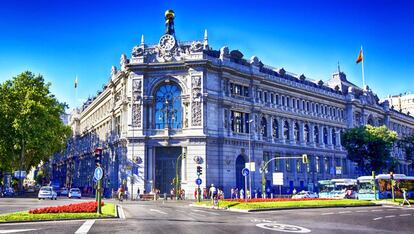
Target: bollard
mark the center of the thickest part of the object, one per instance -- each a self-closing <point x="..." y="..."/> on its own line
<point x="271" y="195"/>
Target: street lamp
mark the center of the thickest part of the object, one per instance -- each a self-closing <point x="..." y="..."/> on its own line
<point x="250" y="167"/>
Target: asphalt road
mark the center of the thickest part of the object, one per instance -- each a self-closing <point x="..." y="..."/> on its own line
<point x="179" y="217"/>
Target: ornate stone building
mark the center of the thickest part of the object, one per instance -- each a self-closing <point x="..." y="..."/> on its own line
<point x="185" y="98"/>
<point x="402" y="103"/>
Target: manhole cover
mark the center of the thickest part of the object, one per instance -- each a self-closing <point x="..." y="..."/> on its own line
<point x="283" y="227"/>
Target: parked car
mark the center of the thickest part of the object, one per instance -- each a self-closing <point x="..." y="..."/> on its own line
<point x="64" y="192"/>
<point x="305" y="194"/>
<point x="75" y="193"/>
<point x="47" y="192"/>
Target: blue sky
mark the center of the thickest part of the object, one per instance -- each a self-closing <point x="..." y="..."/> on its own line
<point x="65" y="39"/>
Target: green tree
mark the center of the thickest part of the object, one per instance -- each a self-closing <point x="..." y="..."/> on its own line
<point x="407" y="144"/>
<point x="370" y="147"/>
<point x="30" y="126"/>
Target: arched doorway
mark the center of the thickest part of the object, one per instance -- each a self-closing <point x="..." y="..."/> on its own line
<point x="240" y="164"/>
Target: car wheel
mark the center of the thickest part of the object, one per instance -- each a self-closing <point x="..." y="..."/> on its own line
<point x="40" y="199"/>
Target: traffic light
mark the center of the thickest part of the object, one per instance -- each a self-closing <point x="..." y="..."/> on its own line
<point x="305" y="159"/>
<point x="199" y="170"/>
<point x="184" y="155"/>
<point x="391" y="175"/>
<point x="98" y="156"/>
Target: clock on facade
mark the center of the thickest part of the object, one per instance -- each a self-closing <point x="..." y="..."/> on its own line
<point x="167" y="42"/>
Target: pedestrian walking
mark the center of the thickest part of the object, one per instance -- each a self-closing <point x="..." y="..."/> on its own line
<point x="405" y="198"/>
<point x="241" y="193"/>
<point x="232" y="193"/>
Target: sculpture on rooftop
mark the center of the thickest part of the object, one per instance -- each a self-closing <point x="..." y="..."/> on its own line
<point x="169" y="22"/>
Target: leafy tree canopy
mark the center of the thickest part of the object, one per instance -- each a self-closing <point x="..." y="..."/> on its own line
<point x="29" y="121"/>
<point x="407" y="144"/>
<point x="370" y="147"/>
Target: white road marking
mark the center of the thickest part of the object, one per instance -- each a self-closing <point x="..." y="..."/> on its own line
<point x="391" y="209"/>
<point x="84" y="229"/>
<point x="207" y="212"/>
<point x="390" y="216"/>
<point x="405" y="214"/>
<point x="158" y="211"/>
<point x="121" y="212"/>
<point x="361" y="211"/>
<point x="344" y="212"/>
<point x="331" y="213"/>
<point x="375" y="210"/>
<point x="17" y="230"/>
<point x="389" y="206"/>
<point x="378" y="218"/>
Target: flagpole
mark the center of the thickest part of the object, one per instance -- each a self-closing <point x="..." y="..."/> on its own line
<point x="363" y="71"/>
<point x="76" y="91"/>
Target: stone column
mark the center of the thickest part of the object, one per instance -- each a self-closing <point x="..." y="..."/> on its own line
<point x="281" y="136"/>
<point x="269" y="128"/>
<point x="330" y="138"/>
<point x="338" y="140"/>
<point x="311" y="133"/>
<point x="291" y="132"/>
<point x="302" y="133"/>
<point x="321" y="143"/>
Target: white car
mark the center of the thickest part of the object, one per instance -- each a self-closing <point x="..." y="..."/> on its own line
<point x="47" y="192"/>
<point x="64" y="192"/>
<point x="305" y="194"/>
<point x="75" y="193"/>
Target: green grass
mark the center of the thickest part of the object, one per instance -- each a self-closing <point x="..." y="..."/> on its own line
<point x="289" y="204"/>
<point x="108" y="210"/>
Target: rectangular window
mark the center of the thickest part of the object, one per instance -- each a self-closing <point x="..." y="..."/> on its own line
<point x="326" y="163"/>
<point x="288" y="165"/>
<point x="298" y="165"/>
<point x="283" y="100"/>
<point x="272" y="98"/>
<point x="287" y="101"/>
<point x="318" y="169"/>
<point x="277" y="99"/>
<point x="265" y="96"/>
<point x="277" y="163"/>
<point x="294" y="103"/>
<point x="246" y="91"/>
<point x="246" y="122"/>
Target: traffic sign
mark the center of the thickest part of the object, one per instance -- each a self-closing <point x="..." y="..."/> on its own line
<point x="98" y="174"/>
<point x="245" y="171"/>
<point x="198" y="181"/>
<point x="277" y="178"/>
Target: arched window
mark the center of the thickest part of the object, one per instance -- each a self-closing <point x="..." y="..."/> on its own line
<point x="168" y="109"/>
<point x="264" y="126"/>
<point x="333" y="137"/>
<point x="316" y="134"/>
<point x="306" y="130"/>
<point x="296" y="131"/>
<point x="325" y="136"/>
<point x="286" y="130"/>
<point x="275" y="130"/>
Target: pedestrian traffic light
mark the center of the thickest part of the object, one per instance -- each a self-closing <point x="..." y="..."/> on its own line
<point x="199" y="170"/>
<point x="305" y="158"/>
<point x="98" y="156"/>
<point x="391" y="175"/>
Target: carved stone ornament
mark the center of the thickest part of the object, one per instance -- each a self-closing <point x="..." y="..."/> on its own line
<point x="123" y="61"/>
<point x="136" y="89"/>
<point x="138" y="51"/>
<point x="113" y="71"/>
<point x="196" y="101"/>
<point x="196" y="46"/>
<point x="224" y="52"/>
<point x="198" y="159"/>
<point x="136" y="115"/>
<point x="254" y="60"/>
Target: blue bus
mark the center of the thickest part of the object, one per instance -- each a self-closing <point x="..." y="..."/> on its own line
<point x="337" y="188"/>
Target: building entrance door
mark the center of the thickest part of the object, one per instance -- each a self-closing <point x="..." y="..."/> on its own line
<point x="165" y="167"/>
<point x="240" y="164"/>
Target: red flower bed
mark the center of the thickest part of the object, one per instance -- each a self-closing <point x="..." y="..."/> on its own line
<point x="84" y="207"/>
<point x="276" y="199"/>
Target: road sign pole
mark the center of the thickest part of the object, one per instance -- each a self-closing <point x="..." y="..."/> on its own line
<point x="245" y="188"/>
<point x="98" y="192"/>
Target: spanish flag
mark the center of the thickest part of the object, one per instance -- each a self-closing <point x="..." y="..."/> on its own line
<point x="360" y="56"/>
<point x="76" y="82"/>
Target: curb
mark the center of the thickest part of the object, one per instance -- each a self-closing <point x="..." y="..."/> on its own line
<point x="120" y="212"/>
<point x="54" y="220"/>
<point x="277" y="209"/>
